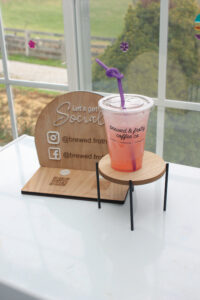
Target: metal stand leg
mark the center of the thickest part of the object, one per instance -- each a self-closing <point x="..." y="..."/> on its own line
<point x="166" y="186"/>
<point x="131" y="189"/>
<point x="98" y="186"/>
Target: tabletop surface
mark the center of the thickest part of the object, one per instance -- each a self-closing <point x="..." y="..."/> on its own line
<point x="54" y="248"/>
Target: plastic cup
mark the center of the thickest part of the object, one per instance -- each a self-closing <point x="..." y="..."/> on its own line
<point x="126" y="129"/>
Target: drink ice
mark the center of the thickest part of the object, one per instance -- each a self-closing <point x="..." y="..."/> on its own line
<point x="126" y="129"/>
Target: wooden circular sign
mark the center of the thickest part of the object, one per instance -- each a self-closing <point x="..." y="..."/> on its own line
<point x="70" y="132"/>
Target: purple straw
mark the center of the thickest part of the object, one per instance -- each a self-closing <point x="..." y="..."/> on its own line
<point x="133" y="160"/>
<point x="113" y="72"/>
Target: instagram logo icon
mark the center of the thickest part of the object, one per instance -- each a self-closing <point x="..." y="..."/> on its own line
<point x="53" y="137"/>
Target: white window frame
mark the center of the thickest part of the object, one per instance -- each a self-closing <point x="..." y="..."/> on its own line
<point x="77" y="44"/>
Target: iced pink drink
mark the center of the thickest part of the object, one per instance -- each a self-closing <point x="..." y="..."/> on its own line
<point x="126" y="129"/>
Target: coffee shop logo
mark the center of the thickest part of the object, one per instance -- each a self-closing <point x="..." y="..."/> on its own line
<point x="127" y="133"/>
<point x="71" y="113"/>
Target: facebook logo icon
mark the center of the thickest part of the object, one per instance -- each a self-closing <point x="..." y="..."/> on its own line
<point x="54" y="153"/>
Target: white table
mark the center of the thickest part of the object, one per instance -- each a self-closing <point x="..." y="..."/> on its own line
<point x="53" y="248"/>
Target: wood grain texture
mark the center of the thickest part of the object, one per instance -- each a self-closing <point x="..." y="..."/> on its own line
<point x="75" y="117"/>
<point x="79" y="184"/>
<point x="153" y="168"/>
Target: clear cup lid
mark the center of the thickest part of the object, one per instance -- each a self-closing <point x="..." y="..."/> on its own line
<point x="133" y="103"/>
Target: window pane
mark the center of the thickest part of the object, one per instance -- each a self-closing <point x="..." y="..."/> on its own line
<point x="134" y="22"/>
<point x="5" y="124"/>
<point x="182" y="141"/>
<point x="29" y="103"/>
<point x="1" y="66"/>
<point x="34" y="39"/>
<point x="183" y="67"/>
<point x="150" y="143"/>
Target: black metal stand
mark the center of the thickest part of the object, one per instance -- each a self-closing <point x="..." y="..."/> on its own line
<point x="166" y="187"/>
<point x="131" y="189"/>
<point x="98" y="186"/>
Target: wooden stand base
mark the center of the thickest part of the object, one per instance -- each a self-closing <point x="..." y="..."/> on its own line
<point x="153" y="167"/>
<point x="74" y="184"/>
